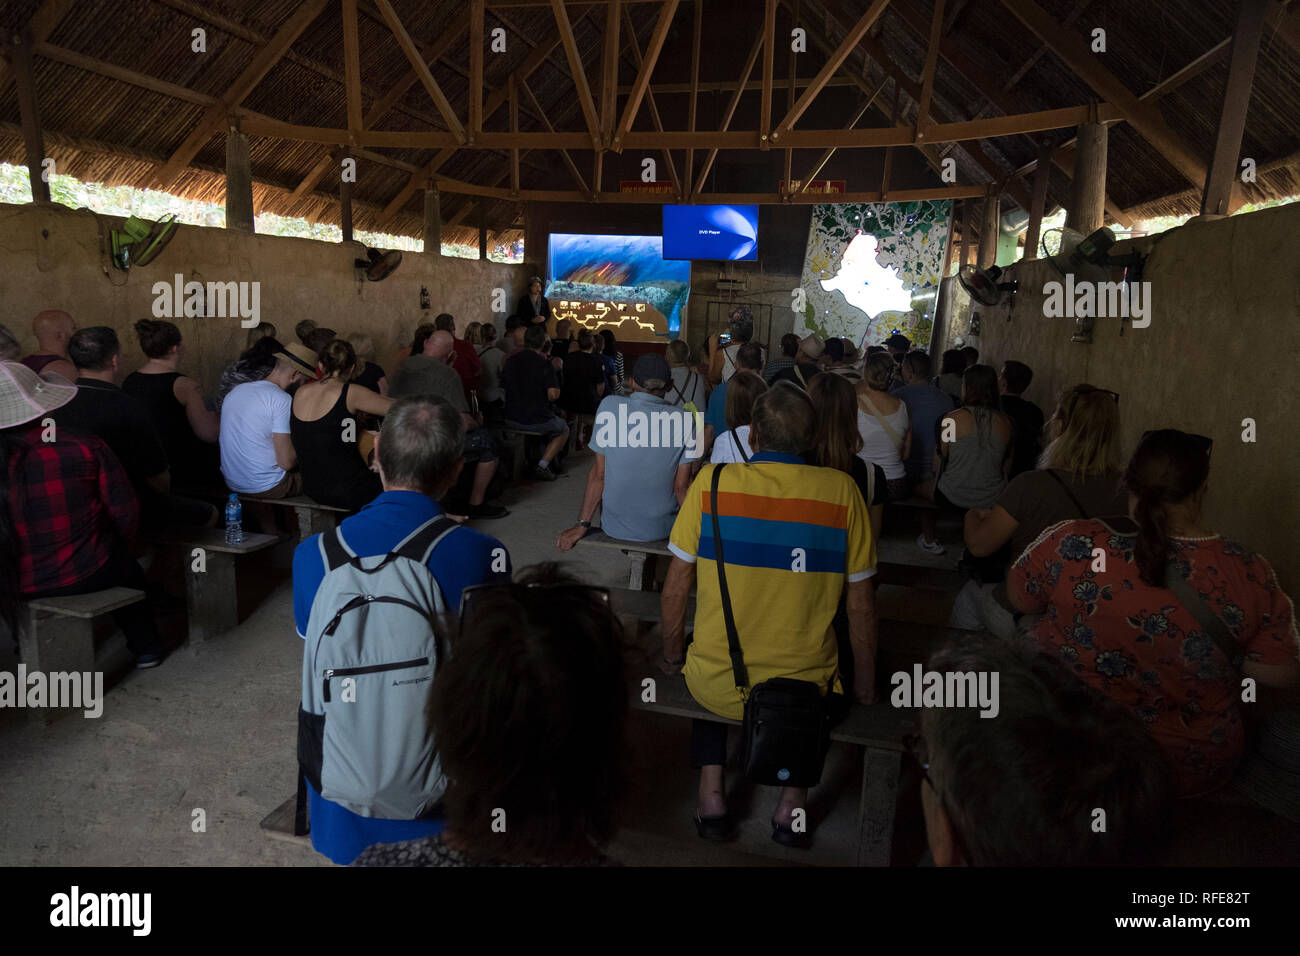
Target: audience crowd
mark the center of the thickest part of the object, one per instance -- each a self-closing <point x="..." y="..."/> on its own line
<point x="1120" y="624"/>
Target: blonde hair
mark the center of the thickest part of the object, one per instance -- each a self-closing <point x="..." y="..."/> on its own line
<point x="362" y="345"/>
<point x="1089" y="440"/>
<point x="878" y="370"/>
<point x="474" y="333"/>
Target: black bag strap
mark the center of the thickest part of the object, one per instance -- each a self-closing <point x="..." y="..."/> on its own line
<point x="1083" y="512"/>
<point x="1210" y="622"/>
<point x="733" y="638"/>
<point x="416" y="546"/>
<point x="740" y="448"/>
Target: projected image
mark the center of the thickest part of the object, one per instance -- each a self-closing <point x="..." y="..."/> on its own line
<point x="622" y="283"/>
<point x="872" y="269"/>
<point x="711" y="232"/>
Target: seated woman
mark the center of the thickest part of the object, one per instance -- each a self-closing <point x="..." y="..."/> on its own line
<point x="839" y="442"/>
<point x="974" y="450"/>
<point x="370" y="376"/>
<point x="1077" y="477"/>
<point x="188" y="428"/>
<point x="325" y="441"/>
<point x="743" y="389"/>
<point x="1103" y="588"/>
<point x="528" y="715"/>
<point x="883" y="424"/>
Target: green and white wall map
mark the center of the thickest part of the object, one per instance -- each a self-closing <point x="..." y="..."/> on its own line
<point x="872" y="269"/>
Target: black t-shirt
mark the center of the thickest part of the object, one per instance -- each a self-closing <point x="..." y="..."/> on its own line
<point x="560" y="347"/>
<point x="370" y="376"/>
<point x="104" y="410"/>
<point x="525" y="377"/>
<point x="806" y="369"/>
<point x="583" y="372"/>
<point x="1028" y="420"/>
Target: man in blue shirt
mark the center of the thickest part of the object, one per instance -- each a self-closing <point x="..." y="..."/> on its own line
<point x="644" y="446"/>
<point x="420" y="457"/>
<point x="926" y="406"/>
<point x="749" y="357"/>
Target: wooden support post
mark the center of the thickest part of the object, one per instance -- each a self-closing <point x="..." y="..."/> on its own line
<point x="345" y="202"/>
<point x="239" y="182"/>
<point x="34" y="142"/>
<point x="1087" y="212"/>
<point x="927" y="74"/>
<point x="889" y="150"/>
<point x="769" y="49"/>
<point x="1222" y="177"/>
<point x="1038" y="201"/>
<point x="432" y="221"/>
<point x="475" y="69"/>
<point x="990" y="226"/>
<point x="512" y="86"/>
<point x="691" y="110"/>
<point x="482" y="229"/>
<point x="964" y="245"/>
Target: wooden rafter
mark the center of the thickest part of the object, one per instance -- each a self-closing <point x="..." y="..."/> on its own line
<point x="650" y="101"/>
<point x="421" y="68"/>
<point x="352" y="65"/>
<point x="40" y="26"/>
<point x="1075" y="12"/>
<point x="252" y="74"/>
<point x="691" y="108"/>
<point x="564" y="153"/>
<point x="1222" y="175"/>
<point x="512" y="90"/>
<point x="33" y="142"/>
<point x="827" y="154"/>
<point x="642" y="81"/>
<point x="927" y="73"/>
<point x="609" y="72"/>
<point x="476" y="69"/>
<point x="1144" y="118"/>
<point x="847" y="45"/>
<point x="581" y="87"/>
<point x="769" y="52"/>
<point x="730" y="111"/>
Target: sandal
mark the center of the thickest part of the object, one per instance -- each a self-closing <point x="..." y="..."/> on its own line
<point x="787" y="837"/>
<point x="714" y="829"/>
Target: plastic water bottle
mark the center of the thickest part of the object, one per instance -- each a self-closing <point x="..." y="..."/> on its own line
<point x="234" y="521"/>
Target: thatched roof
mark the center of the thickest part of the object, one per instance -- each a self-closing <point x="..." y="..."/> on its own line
<point x="100" y="125"/>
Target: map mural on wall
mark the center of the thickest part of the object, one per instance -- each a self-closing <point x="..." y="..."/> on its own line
<point x="872" y="269"/>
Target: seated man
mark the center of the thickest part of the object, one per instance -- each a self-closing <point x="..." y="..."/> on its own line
<point x="52" y="329"/>
<point x="102" y="409"/>
<point x="430" y="372"/>
<point x="644" y="447"/>
<point x="466" y="363"/>
<point x="72" y="513"/>
<point x="1024" y="788"/>
<point x="531" y="384"/>
<point x="773" y="508"/>
<point x="257" y="456"/>
<point x="419" y="451"/>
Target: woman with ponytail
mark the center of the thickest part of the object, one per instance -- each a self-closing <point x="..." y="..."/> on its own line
<point x="1103" y="588"/>
<point x="326" y="432"/>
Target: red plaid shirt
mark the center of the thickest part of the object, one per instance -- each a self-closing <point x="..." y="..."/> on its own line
<point x="70" y="500"/>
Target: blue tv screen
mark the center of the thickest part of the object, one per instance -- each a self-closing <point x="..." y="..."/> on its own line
<point x="710" y="232"/>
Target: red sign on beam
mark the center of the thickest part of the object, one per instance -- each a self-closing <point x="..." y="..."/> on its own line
<point x="637" y="186"/>
<point x="831" y="186"/>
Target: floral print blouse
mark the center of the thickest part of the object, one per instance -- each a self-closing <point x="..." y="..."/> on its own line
<point x="1140" y="646"/>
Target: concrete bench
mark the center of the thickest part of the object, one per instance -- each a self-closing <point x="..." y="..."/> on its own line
<point x="637" y="551"/>
<point x="60" y="632"/>
<point x="211" y="594"/>
<point x="913" y="501"/>
<point x="921" y="577"/>
<point x="313" y="517"/>
<point x="516" y="442"/>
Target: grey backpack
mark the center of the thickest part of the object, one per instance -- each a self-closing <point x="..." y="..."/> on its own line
<point x="367" y="667"/>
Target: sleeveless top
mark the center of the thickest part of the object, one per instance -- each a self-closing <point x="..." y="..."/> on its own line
<point x="972" y="476"/>
<point x="878" y="446"/>
<point x="333" y="471"/>
<point x="191" y="460"/>
<point x="38" y="362"/>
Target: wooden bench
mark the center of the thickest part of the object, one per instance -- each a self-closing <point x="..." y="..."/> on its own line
<point x="211" y="594"/>
<point x="516" y="442"/>
<point x="60" y="632"/>
<point x="913" y="501"/>
<point x="313" y="517"/>
<point x="921" y="577"/>
<point x="637" y="551"/>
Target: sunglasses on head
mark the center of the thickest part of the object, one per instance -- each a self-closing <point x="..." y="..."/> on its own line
<point x="1090" y="389"/>
<point x="471" y="599"/>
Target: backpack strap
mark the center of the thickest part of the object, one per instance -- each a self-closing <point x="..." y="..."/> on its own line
<point x="334" y="550"/>
<point x="419" y="544"/>
<point x="1210" y="622"/>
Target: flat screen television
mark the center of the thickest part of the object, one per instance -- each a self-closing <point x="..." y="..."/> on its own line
<point x="711" y="232"/>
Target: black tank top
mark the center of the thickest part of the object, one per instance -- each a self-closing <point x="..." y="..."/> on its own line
<point x="191" y="460"/>
<point x="332" y="470"/>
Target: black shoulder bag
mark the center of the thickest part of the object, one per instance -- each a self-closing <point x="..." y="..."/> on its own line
<point x="786" y="724"/>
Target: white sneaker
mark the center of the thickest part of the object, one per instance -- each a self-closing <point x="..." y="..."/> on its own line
<point x="933" y="547"/>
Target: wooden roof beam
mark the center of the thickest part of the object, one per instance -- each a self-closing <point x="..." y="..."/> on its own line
<point x="847" y="45"/>
<point x="564" y="153"/>
<point x="260" y="65"/>
<point x="352" y="65"/>
<point x="581" y="87"/>
<point x="1144" y="118"/>
<point x="730" y="111"/>
<point x="47" y="16"/>
<point x="642" y="81"/>
<point x="650" y="103"/>
<point x="416" y="59"/>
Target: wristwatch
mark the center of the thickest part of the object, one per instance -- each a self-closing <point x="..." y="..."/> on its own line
<point x="583" y="524"/>
<point x="677" y="663"/>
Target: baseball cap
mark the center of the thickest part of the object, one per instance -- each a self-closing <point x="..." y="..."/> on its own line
<point x="651" y="371"/>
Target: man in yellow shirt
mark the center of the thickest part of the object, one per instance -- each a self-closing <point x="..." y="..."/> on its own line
<point x="795" y="537"/>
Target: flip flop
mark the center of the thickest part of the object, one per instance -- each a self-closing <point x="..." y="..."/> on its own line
<point x="787" y="837"/>
<point x="714" y="829"/>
